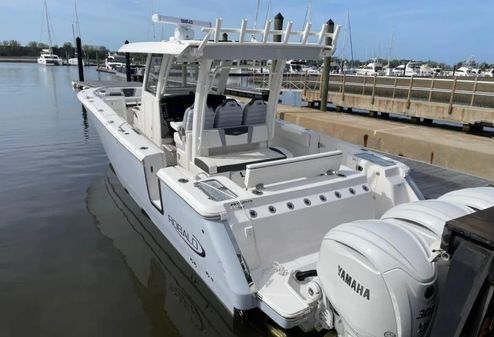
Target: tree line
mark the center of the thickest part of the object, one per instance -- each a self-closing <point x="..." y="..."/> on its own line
<point x="91" y="52"/>
<point x="67" y="50"/>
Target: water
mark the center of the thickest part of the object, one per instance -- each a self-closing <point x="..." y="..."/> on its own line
<point x="77" y="257"/>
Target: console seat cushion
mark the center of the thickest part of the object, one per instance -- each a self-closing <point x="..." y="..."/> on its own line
<point x="236" y="161"/>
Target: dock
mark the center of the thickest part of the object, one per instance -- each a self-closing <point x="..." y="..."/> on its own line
<point x="464" y="100"/>
<point x="457" y="151"/>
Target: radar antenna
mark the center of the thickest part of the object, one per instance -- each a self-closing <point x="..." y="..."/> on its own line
<point x="183" y="28"/>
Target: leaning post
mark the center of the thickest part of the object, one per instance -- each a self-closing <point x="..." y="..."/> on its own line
<point x="127" y="64"/>
<point x="325" y="69"/>
<point x="78" y="46"/>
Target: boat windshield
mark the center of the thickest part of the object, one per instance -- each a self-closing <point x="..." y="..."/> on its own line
<point x="116" y="58"/>
<point x="182" y="75"/>
<point x="153" y="74"/>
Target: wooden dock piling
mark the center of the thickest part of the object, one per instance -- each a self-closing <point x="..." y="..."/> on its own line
<point x="80" y="66"/>
<point x="127" y="64"/>
<point x="325" y="70"/>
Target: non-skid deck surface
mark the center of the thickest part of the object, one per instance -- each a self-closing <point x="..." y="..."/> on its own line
<point x="435" y="181"/>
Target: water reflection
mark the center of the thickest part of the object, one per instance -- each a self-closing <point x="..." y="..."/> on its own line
<point x="85" y="125"/>
<point x="174" y="299"/>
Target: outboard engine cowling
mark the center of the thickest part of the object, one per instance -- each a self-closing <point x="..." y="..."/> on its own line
<point x="377" y="279"/>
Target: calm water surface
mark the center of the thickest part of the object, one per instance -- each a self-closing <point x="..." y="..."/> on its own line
<point x="77" y="257"/>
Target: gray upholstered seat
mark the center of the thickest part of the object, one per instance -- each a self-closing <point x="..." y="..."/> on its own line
<point x="228" y="114"/>
<point x="208" y="118"/>
<point x="255" y="112"/>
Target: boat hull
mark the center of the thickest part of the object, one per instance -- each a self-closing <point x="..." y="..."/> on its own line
<point x="204" y="243"/>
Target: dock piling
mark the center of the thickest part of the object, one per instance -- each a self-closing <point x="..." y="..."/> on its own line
<point x="127" y="64"/>
<point x="278" y="25"/>
<point x="325" y="70"/>
<point x="78" y="45"/>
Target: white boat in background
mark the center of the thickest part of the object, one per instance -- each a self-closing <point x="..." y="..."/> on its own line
<point x="295" y="67"/>
<point x="47" y="57"/>
<point x="488" y="73"/>
<point x="270" y="214"/>
<point x="463" y="72"/>
<point x="74" y="62"/>
<point x="371" y="69"/>
<point x="114" y="61"/>
<point x="399" y="70"/>
<point x="413" y="68"/>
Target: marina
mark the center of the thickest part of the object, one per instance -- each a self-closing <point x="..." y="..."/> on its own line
<point x="231" y="181"/>
<point x="111" y="252"/>
<point x="188" y="154"/>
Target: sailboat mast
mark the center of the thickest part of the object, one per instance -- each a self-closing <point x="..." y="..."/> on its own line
<point x="77" y="19"/>
<point x="350" y="35"/>
<point x="390" y="46"/>
<point x="48" y="27"/>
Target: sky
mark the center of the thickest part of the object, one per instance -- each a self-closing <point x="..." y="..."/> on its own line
<point x="442" y="30"/>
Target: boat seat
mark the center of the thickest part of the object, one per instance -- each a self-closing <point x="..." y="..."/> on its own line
<point x="173" y="106"/>
<point x="255" y="112"/>
<point x="189" y="116"/>
<point x="228" y="114"/>
<point x="237" y="161"/>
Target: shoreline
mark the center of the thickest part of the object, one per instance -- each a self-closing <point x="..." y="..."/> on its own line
<point x="20" y="59"/>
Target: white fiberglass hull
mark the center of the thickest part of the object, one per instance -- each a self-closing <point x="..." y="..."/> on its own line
<point x="205" y="244"/>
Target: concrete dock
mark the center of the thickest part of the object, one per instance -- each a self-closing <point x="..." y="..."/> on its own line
<point x="453" y="150"/>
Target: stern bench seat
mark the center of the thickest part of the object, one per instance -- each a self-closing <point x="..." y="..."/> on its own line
<point x="236" y="161"/>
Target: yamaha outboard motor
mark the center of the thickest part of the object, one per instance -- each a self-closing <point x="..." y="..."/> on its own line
<point x="377" y="280"/>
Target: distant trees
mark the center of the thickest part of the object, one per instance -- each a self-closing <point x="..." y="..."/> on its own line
<point x="67" y="50"/>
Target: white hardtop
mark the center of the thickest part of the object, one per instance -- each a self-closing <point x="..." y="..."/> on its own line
<point x="252" y="44"/>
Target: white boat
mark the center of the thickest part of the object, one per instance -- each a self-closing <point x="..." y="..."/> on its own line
<point x="399" y="70"/>
<point x="315" y="232"/>
<point x="371" y="69"/>
<point x="47" y="57"/>
<point x="114" y="61"/>
<point x="413" y="68"/>
<point x="463" y="72"/>
<point x="295" y="67"/>
<point x="74" y="62"/>
<point x="488" y="73"/>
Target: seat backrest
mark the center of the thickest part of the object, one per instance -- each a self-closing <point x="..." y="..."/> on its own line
<point x="255" y="112"/>
<point x="308" y="166"/>
<point x="214" y="100"/>
<point x="189" y="116"/>
<point x="228" y="114"/>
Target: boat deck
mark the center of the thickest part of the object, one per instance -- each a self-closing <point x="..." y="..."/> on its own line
<point x="435" y="181"/>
